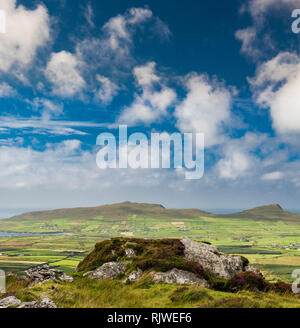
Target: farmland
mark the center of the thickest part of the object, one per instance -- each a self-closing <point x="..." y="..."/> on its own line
<point x="269" y="240"/>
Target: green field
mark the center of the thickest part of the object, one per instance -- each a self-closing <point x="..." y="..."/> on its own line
<point x="269" y="236"/>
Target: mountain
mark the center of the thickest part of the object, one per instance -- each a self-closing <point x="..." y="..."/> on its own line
<point x="143" y="210"/>
<point x="266" y="212"/>
<point x="115" y="211"/>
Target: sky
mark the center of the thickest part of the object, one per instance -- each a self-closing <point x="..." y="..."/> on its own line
<point x="70" y="70"/>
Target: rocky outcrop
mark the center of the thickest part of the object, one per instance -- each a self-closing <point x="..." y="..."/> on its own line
<point x="108" y="270"/>
<point x="222" y="265"/>
<point x="43" y="273"/>
<point x="174" y="261"/>
<point x="10" y="301"/>
<point x="13" y="302"/>
<point x="179" y="277"/>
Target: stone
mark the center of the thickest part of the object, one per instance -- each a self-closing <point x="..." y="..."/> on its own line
<point x="10" y="301"/>
<point x="43" y="273"/>
<point x="134" y="276"/>
<point x="46" y="303"/>
<point x="108" y="270"/>
<point x="250" y="268"/>
<point x="222" y="265"/>
<point x="129" y="253"/>
<point x="179" y="277"/>
<point x="66" y="278"/>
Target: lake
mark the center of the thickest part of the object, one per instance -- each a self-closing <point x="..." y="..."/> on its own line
<point x="25" y="234"/>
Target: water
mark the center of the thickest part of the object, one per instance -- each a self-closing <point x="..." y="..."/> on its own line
<point x="26" y="234"/>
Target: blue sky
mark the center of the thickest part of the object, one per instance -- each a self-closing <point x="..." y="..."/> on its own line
<point x="72" y="69"/>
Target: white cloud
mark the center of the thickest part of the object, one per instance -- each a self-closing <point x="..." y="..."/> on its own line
<point x="257" y="38"/>
<point x="153" y="101"/>
<point x="45" y="125"/>
<point x="115" y="44"/>
<point x="272" y="176"/>
<point x="276" y="86"/>
<point x="118" y="28"/>
<point x="107" y="91"/>
<point x="146" y="75"/>
<point x="238" y="158"/>
<point x="26" y="31"/>
<point x="89" y="15"/>
<point x="6" y="90"/>
<point x="205" y="109"/>
<point x="63" y="71"/>
<point x="248" y="36"/>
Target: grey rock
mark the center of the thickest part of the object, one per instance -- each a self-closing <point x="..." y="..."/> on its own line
<point x="134" y="276"/>
<point x="66" y="278"/>
<point x="46" y="303"/>
<point x="10" y="301"/>
<point x="222" y="265"/>
<point x="27" y="305"/>
<point x="108" y="270"/>
<point x="179" y="277"/>
<point x="251" y="268"/>
<point x="43" y="273"/>
<point x="129" y="252"/>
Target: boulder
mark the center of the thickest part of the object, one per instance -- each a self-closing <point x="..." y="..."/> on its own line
<point x="10" y="301"/>
<point x="222" y="265"/>
<point x="108" y="270"/>
<point x="66" y="278"/>
<point x="134" y="276"/>
<point x="179" y="277"/>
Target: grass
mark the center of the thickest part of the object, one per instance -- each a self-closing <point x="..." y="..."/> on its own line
<point x="88" y="293"/>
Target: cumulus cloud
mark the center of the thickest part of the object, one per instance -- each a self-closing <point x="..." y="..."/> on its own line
<point x="6" y="90"/>
<point x="151" y="104"/>
<point x="48" y="108"/>
<point x="238" y="158"/>
<point x="276" y="86"/>
<point x="205" y="108"/>
<point x="107" y="90"/>
<point x="114" y="45"/>
<point x="63" y="71"/>
<point x="26" y="31"/>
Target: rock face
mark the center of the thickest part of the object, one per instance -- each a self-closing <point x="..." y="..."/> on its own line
<point x="108" y="270"/>
<point x="179" y="277"/>
<point x="44" y="273"/>
<point x="222" y="265"/>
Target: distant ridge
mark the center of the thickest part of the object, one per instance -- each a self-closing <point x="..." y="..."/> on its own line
<point x="265" y="212"/>
<point x="127" y="210"/>
<point x="115" y="211"/>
